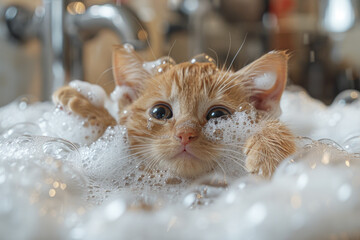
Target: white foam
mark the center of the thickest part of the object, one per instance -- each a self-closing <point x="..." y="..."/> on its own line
<point x="96" y="94"/>
<point x="23" y="109"/>
<point x="109" y="195"/>
<point x="311" y="118"/>
<point x="63" y="124"/>
<point x="235" y="129"/>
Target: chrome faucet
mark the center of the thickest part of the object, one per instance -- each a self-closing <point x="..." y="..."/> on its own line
<point x="63" y="26"/>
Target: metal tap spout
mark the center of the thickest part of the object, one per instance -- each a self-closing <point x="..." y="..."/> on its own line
<point x="62" y="35"/>
<point x="118" y="18"/>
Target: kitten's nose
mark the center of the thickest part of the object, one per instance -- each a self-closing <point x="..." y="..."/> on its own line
<point x="186" y="136"/>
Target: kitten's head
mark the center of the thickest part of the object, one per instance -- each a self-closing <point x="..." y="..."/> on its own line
<point x="167" y="110"/>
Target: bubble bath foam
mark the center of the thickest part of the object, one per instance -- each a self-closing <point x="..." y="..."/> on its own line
<point x="58" y="182"/>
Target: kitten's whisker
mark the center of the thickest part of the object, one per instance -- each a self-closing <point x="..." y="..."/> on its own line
<point x="171" y="48"/>
<point x="221" y="167"/>
<point x="139" y="153"/>
<point x="143" y="161"/>
<point x="154" y="162"/>
<point x="146" y="133"/>
<point x="220" y="79"/>
<point x="147" y="39"/>
<point x="238" y="51"/>
<point x="103" y="74"/>
<point x="243" y="148"/>
<point x="228" y="52"/>
<point x="235" y="160"/>
<point x="113" y="170"/>
<point x="151" y="136"/>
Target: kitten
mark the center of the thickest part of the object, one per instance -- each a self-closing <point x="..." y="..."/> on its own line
<point x="165" y="111"/>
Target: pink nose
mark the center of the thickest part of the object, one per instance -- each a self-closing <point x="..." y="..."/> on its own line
<point x="186" y="137"/>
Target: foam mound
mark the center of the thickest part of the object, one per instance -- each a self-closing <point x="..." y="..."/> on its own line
<point x="59" y="180"/>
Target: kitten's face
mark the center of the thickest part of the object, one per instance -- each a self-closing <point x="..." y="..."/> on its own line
<point x="165" y="121"/>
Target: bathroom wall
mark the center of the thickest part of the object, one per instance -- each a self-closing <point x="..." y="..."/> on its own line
<point x="19" y="63"/>
<point x="323" y="63"/>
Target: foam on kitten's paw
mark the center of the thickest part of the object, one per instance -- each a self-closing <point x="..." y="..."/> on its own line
<point x="73" y="101"/>
<point x="267" y="148"/>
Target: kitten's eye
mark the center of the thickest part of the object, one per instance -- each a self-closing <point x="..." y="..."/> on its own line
<point x="161" y="112"/>
<point x="217" y="112"/>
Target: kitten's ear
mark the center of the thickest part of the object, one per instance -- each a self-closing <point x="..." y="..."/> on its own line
<point x="266" y="77"/>
<point x="128" y="68"/>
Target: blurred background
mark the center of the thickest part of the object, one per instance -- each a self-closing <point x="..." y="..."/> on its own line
<point x="46" y="43"/>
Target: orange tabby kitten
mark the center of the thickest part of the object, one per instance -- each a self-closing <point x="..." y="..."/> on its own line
<point x="180" y="99"/>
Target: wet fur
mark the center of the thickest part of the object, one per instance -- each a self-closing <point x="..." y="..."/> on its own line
<point x="191" y="90"/>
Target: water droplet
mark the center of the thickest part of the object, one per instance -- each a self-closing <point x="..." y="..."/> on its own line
<point x="150" y="123"/>
<point x="24" y="101"/>
<point x="128" y="47"/>
<point x="159" y="65"/>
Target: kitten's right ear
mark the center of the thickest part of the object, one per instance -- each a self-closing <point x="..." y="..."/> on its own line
<point x="128" y="69"/>
<point x="266" y="79"/>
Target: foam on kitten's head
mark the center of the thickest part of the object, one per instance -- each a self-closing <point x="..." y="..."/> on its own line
<point x="192" y="93"/>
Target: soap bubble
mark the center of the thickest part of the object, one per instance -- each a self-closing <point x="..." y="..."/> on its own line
<point x="60" y="149"/>
<point x="352" y="144"/>
<point x="24" y="128"/>
<point x="203" y="58"/>
<point x="321" y="154"/>
<point x="330" y="143"/>
<point x="44" y="191"/>
<point x="350" y="96"/>
<point x="159" y="65"/>
<point x="304" y="142"/>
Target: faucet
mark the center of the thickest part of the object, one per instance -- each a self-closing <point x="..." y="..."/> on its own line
<point x="63" y="26"/>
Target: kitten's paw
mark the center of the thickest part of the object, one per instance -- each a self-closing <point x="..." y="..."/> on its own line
<point x="73" y="101"/>
<point x="63" y="95"/>
<point x="258" y="159"/>
<point x="267" y="148"/>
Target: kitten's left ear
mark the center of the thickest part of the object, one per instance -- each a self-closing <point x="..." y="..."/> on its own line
<point x="128" y="67"/>
<point x="266" y="79"/>
<point x="129" y="75"/>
